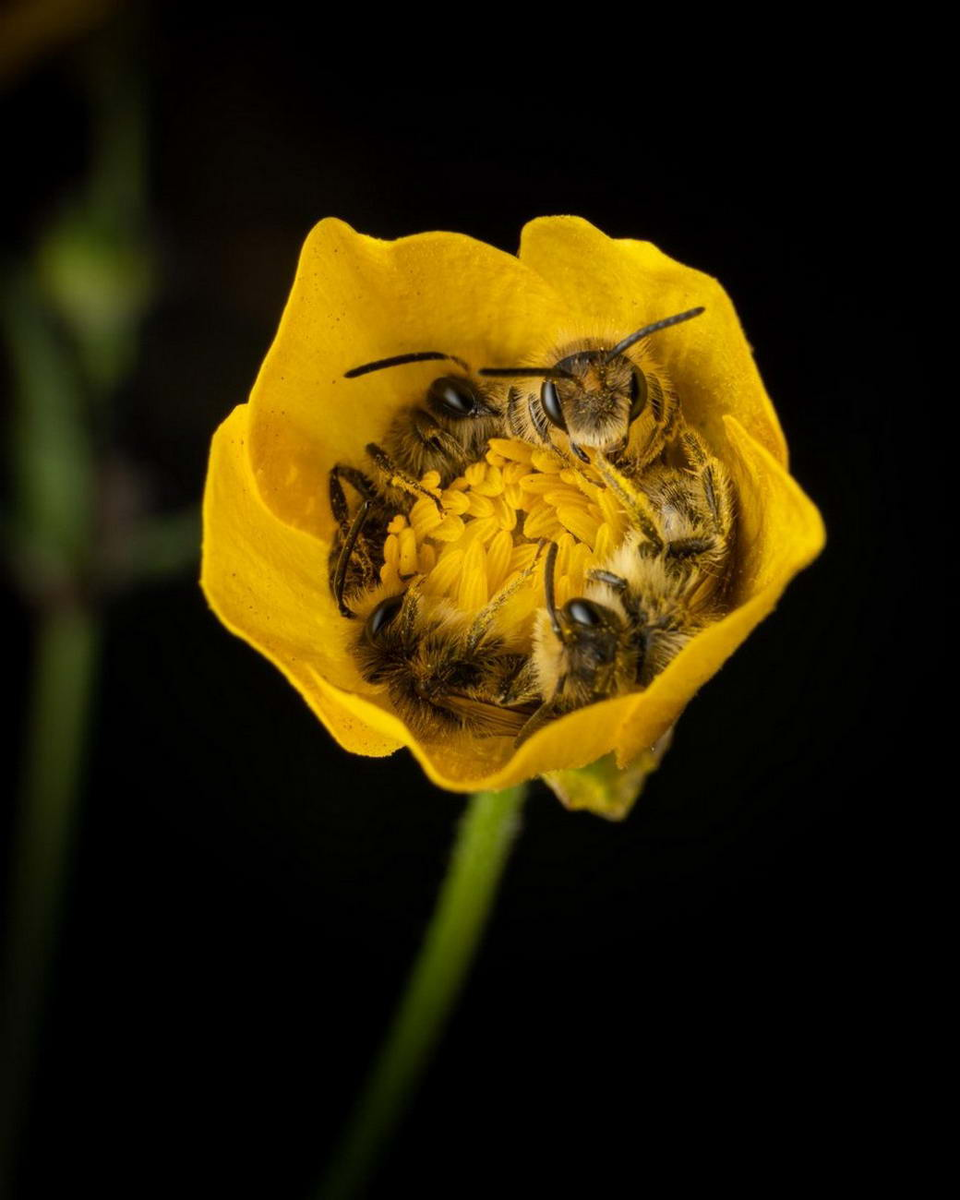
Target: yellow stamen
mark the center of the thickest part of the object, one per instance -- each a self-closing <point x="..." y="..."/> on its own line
<point x="506" y="515"/>
<point x="480" y="547"/>
<point x="498" y="559"/>
<point x="390" y="576"/>
<point x="424" y="517"/>
<point x="408" y="552"/>
<point x="580" y="524"/>
<point x="472" y="593"/>
<point x="513" y="495"/>
<point x="449" y="529"/>
<point x="479" y="505"/>
<point x="475" y="474"/>
<point x="520" y="452"/>
<point x="455" y="502"/>
<point x="539" y="521"/>
<point x="492" y="484"/>
<point x="538" y="484"/>
<point x="547" y="460"/>
<point x="445" y="574"/>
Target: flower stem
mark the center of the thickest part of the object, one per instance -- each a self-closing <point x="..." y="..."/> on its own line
<point x="466" y="898"/>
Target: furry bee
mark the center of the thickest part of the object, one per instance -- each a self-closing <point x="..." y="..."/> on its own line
<point x="601" y="397"/>
<point x="682" y="511"/>
<point x="446" y="432"/>
<point x="442" y="672"/>
<point x="656" y="591"/>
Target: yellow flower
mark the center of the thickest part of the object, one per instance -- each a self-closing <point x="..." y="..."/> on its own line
<point x="267" y="521"/>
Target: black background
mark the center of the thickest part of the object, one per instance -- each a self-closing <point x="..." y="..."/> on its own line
<point x="699" y="989"/>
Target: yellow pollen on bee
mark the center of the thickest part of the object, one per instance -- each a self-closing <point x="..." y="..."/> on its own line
<point x="491" y="532"/>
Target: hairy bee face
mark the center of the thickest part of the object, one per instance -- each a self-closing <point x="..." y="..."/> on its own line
<point x="597" y="402"/>
<point x="591" y="634"/>
<point x="590" y="656"/>
<point x="438" y="678"/>
<point x="447" y="433"/>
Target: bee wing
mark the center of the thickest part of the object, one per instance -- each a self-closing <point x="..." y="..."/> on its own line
<point x="491" y="719"/>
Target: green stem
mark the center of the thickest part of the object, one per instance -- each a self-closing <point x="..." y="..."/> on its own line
<point x="64" y="670"/>
<point x="466" y="899"/>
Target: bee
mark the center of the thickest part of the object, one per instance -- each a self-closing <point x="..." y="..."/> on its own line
<point x="444" y="672"/>
<point x="446" y="432"/>
<point x="600" y="397"/>
<point x="663" y="585"/>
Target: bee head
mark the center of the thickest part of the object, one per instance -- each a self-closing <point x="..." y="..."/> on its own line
<point x="383" y="642"/>
<point x="588" y="634"/>
<point x="593" y="395"/>
<point x="593" y="399"/>
<point x="455" y="398"/>
<point x="591" y="634"/>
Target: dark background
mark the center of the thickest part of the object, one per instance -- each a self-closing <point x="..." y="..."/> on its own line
<point x="700" y="988"/>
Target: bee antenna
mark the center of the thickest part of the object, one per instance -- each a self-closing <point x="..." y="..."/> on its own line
<point x="648" y="329"/>
<point x="516" y="372"/>
<point x="398" y="360"/>
<point x="548" y="587"/>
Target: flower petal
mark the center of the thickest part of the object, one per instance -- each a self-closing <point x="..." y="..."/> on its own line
<point x="268" y="584"/>
<point x="356" y="299"/>
<point x="624" y="284"/>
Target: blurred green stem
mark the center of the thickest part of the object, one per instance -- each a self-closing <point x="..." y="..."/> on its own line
<point x="466" y="898"/>
<point x="58" y="713"/>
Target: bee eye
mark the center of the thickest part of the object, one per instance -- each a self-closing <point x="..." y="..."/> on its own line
<point x="638" y="393"/>
<point x="583" y="612"/>
<point x="455" y="395"/>
<point x="550" y="400"/>
<point x="383" y="614"/>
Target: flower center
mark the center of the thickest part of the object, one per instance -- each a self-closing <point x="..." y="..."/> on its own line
<point x="494" y="518"/>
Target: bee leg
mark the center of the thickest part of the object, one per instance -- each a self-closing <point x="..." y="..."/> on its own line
<point x="634" y="502"/>
<point x="355" y="477"/>
<point x="543" y="716"/>
<point x="346" y="552"/>
<point x="617" y="582"/>
<point x="410" y="611"/>
<point x="690" y="547"/>
<point x="713" y="479"/>
<point x="519" y="686"/>
<point x="630" y="602"/>
<point x="484" y="618"/>
<point x="338" y="503"/>
<point x="515" y="423"/>
<point x="398" y="478"/>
